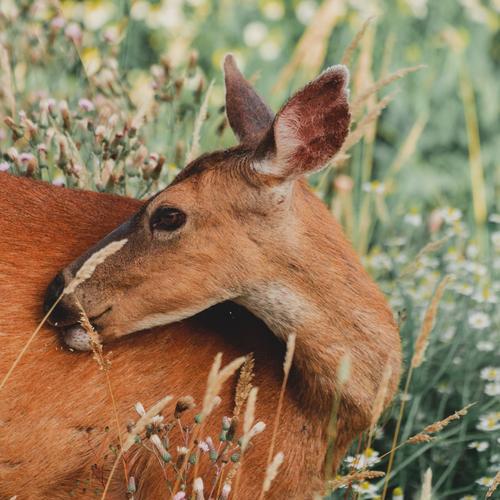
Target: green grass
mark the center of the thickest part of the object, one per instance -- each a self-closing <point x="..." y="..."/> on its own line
<point x="426" y="170"/>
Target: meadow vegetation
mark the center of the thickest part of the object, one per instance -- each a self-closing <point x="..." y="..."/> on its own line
<point x="118" y="96"/>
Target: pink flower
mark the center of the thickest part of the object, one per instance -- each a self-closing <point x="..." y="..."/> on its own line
<point x="4" y="166"/>
<point x="74" y="33"/>
<point x="86" y="104"/>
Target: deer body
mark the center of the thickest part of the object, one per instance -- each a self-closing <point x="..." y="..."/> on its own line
<point x="237" y="225"/>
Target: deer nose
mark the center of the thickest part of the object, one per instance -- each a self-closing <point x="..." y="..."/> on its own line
<point x="53" y="292"/>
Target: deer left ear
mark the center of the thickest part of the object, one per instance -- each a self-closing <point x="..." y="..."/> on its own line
<point x="309" y="129"/>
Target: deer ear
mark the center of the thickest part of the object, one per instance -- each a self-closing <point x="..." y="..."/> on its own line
<point x="309" y="129"/>
<point x="248" y="115"/>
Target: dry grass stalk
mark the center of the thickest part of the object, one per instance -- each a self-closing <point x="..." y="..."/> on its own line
<point x="354" y="477"/>
<point x="95" y="343"/>
<point x="358" y="104"/>
<point x="272" y="471"/>
<point x="494" y="485"/>
<point x="89" y="266"/>
<point x="6" y="80"/>
<point x="426" y="493"/>
<point x="475" y="164"/>
<point x="310" y="51"/>
<point x="433" y="246"/>
<point x="409" y="145"/>
<point x="362" y="126"/>
<point x="244" y="385"/>
<point x="249" y="417"/>
<point x="216" y="379"/>
<point x="380" y="397"/>
<point x="290" y="349"/>
<point x="194" y="151"/>
<point x="428" y="324"/>
<point x="441" y="424"/>
<point x="349" y="51"/>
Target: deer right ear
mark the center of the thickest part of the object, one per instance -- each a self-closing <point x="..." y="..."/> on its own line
<point x="248" y="115"/>
<point x="309" y="129"/>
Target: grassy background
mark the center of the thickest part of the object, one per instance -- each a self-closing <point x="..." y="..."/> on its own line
<point x="426" y="171"/>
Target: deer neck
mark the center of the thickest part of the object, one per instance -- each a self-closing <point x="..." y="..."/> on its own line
<point x="320" y="292"/>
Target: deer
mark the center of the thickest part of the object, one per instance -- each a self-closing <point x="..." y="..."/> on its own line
<point x="235" y="255"/>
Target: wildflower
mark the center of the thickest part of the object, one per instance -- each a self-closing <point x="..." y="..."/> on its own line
<point x="469" y="497"/>
<point x="495" y="218"/>
<point x="489" y="422"/>
<point x="131" y="488"/>
<point x="491" y="374"/>
<point x="57" y="23"/>
<point x="182" y="450"/>
<point x="374" y="187"/>
<point x="479" y="445"/>
<point x="366" y="489"/>
<point x="451" y="215"/>
<point x="198" y="488"/>
<point x="273" y="10"/>
<point x="59" y="180"/>
<point x="479" y="320"/>
<point x="139" y="408"/>
<point x="157" y="419"/>
<point x="203" y="446"/>
<point x="305" y="11"/>
<point x="86" y="104"/>
<point x="464" y="289"/>
<point x="485" y="346"/>
<point x="413" y="219"/>
<point x="270" y="50"/>
<point x="179" y="496"/>
<point x="485" y="294"/>
<point x="4" y="166"/>
<point x="366" y="459"/>
<point x="74" y="33"/>
<point x="492" y="389"/>
<point x="495" y="239"/>
<point x="254" y="33"/>
<point x="485" y="481"/>
<point x="397" y="494"/>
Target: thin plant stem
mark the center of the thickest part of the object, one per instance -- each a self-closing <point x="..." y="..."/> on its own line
<point x="28" y="343"/>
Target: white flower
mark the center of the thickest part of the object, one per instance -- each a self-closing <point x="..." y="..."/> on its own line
<point x="254" y="33"/>
<point x="374" y="187"/>
<point x="4" y="166"/>
<point x="469" y="497"/>
<point x="491" y="374"/>
<point x="274" y="10"/>
<point x="366" y="459"/>
<point x="366" y="489"/>
<point x="476" y="268"/>
<point x="418" y="8"/>
<point x="182" y="450"/>
<point x="495" y="239"/>
<point x="269" y="50"/>
<point x="448" y="334"/>
<point x="485" y="346"/>
<point x="305" y="11"/>
<point x="464" y="289"/>
<point x="479" y="445"/>
<point x="451" y="215"/>
<point x="492" y="389"/>
<point x="479" y="320"/>
<point x="413" y="219"/>
<point x="203" y="446"/>
<point x="485" y="481"/>
<point x="198" y="485"/>
<point x="495" y="218"/>
<point x="485" y="294"/>
<point x="489" y="422"/>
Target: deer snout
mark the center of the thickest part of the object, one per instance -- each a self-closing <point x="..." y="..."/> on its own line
<point x="66" y="311"/>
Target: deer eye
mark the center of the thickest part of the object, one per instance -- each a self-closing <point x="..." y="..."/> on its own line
<point x="167" y="219"/>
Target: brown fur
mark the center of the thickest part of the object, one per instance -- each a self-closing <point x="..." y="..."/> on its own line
<point x="55" y="408"/>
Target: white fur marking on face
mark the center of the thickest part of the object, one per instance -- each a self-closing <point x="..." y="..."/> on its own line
<point x="159" y="319"/>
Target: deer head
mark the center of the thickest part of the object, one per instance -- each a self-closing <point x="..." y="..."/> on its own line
<point x="223" y="228"/>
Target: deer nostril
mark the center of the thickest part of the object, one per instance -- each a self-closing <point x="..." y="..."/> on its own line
<point x="53" y="292"/>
